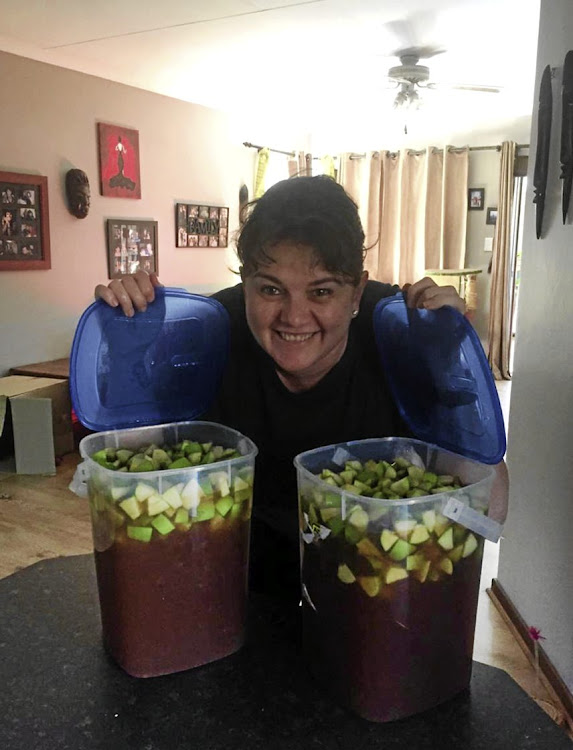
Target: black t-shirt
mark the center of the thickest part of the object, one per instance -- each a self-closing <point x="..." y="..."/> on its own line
<point x="351" y="402"/>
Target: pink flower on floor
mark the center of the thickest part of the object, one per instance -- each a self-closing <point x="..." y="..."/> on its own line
<point x="535" y="634"/>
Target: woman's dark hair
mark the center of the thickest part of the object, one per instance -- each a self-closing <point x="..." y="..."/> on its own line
<point x="314" y="211"/>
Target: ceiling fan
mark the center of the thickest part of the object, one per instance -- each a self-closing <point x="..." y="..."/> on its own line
<point x="410" y="77"/>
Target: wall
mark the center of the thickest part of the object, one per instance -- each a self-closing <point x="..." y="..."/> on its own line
<point x="536" y="555"/>
<point x="48" y="125"/>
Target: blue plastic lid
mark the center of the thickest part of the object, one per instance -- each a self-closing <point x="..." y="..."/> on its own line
<point x="440" y="378"/>
<point x="162" y="365"/>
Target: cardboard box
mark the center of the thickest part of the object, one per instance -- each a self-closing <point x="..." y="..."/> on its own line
<point x="35" y="423"/>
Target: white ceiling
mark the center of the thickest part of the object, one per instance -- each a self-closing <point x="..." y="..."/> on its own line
<point x="312" y="65"/>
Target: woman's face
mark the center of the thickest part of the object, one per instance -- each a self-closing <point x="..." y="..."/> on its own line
<point x="299" y="313"/>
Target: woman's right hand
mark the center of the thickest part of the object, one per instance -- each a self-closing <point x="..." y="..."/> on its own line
<point x="131" y="292"/>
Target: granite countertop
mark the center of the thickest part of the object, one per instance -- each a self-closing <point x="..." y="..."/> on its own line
<point x="60" y="690"/>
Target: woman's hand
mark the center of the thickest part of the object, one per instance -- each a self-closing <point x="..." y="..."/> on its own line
<point x="427" y="295"/>
<point x="131" y="293"/>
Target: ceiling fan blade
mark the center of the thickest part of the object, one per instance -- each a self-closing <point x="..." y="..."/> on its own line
<point x="464" y="87"/>
<point x="414" y="34"/>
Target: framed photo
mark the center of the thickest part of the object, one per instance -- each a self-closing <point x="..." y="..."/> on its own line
<point x="131" y="246"/>
<point x="201" y="226"/>
<point x="118" y="161"/>
<point x="24" y="227"/>
<point x="491" y="217"/>
<point x="476" y="199"/>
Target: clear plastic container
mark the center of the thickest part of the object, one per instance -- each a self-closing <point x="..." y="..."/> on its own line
<point x="171" y="548"/>
<point x="390" y="586"/>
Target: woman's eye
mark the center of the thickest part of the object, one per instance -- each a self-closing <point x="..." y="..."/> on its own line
<point x="270" y="290"/>
<point x="323" y="292"/>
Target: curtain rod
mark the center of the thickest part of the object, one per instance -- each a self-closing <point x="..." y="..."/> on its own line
<point x="518" y="147"/>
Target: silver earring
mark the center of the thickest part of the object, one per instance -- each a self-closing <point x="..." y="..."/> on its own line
<point x="354" y="313"/>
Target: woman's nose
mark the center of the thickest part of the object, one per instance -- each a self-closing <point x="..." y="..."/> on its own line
<point x="295" y="311"/>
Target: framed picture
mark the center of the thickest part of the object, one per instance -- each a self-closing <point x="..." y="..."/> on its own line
<point x="476" y="199"/>
<point x="201" y="226"/>
<point x="131" y="246"/>
<point x="24" y="228"/>
<point x="118" y="161"/>
<point x="491" y="217"/>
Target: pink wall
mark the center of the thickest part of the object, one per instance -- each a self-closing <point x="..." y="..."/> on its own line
<point x="47" y="126"/>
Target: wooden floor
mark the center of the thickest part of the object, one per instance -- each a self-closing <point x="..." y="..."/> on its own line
<point x="41" y="518"/>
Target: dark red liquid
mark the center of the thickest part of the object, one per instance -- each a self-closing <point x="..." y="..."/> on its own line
<point x="176" y="602"/>
<point x="396" y="654"/>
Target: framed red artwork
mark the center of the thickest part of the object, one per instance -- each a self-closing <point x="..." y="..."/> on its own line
<point x="118" y="161"/>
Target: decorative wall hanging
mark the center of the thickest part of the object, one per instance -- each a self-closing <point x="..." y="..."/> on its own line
<point x="491" y="217"/>
<point x="201" y="226"/>
<point x="544" y="116"/>
<point x="131" y="246"/>
<point x="567" y="134"/>
<point x="476" y="199"/>
<point x="78" y="193"/>
<point x="119" y="161"/>
<point x="24" y="229"/>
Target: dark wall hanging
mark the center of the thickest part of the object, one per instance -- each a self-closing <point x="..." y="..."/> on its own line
<point x="544" y="117"/>
<point x="119" y="161"/>
<point x="131" y="246"/>
<point x="78" y="193"/>
<point x="24" y="229"/>
<point x="476" y="199"/>
<point x="567" y="134"/>
<point x="201" y="226"/>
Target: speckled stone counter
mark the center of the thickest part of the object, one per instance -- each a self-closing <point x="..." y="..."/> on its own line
<point x="59" y="690"/>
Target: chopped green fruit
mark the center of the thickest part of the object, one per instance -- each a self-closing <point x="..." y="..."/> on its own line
<point x="446" y="565"/>
<point x="460" y="533"/>
<point x="396" y="574"/>
<point x="206" y="447"/>
<point x="220" y="483"/>
<point x="404" y="527"/>
<point x="441" y="524"/>
<point x="415" y="561"/>
<point x="352" y="534"/>
<point x="218" y="452"/>
<point x="180" y="463"/>
<point x="388" y="539"/>
<point x="242" y="495"/>
<point x="401" y="486"/>
<point x="419" y="534"/>
<point x="160" y="457"/>
<point x="390" y="473"/>
<point x="143" y="491"/>
<point x="446" y="540"/>
<point x="328" y="513"/>
<point x="195" y="458"/>
<point x="401" y="550"/>
<point x="172" y="496"/>
<point x="421" y="573"/>
<point x="182" y="516"/>
<point x="239" y="484"/>
<point x="370" y="584"/>
<point x="123" y="455"/>
<point x="358" y="518"/>
<point x="131" y="507"/>
<point x="208" y="458"/>
<point x="145" y="464"/>
<point x="140" y="533"/>
<point x="224" y="505"/>
<point x="336" y="525"/>
<point x="470" y="545"/>
<point x="345" y="574"/>
<point x="162" y="524"/>
<point x="348" y="476"/>
<point x="456" y="553"/>
<point x="355" y="465"/>
<point x="156" y="505"/>
<point x="332" y="500"/>
<point x="367" y="548"/>
<point x="205" y="510"/>
<point x="118" y="492"/>
<point x="416" y="473"/>
<point x="445" y="479"/>
<point x="430" y="479"/>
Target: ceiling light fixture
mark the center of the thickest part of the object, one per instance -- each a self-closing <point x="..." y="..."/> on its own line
<point x="407" y="97"/>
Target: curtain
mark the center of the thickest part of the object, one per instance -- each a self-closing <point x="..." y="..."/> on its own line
<point x="413" y="208"/>
<point x="260" y="171"/>
<point x="502" y="271"/>
<point x="297" y="164"/>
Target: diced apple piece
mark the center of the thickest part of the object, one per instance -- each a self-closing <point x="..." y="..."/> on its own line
<point x="415" y="561"/>
<point x="131" y="507"/>
<point x="220" y="482"/>
<point x="191" y="494"/>
<point x="395" y="573"/>
<point x="419" y="534"/>
<point x="470" y="545"/>
<point x="205" y="510"/>
<point x="180" y="463"/>
<point x="441" y="524"/>
<point x="388" y="539"/>
<point x="358" y="518"/>
<point x="429" y="519"/>
<point x="446" y="565"/>
<point x="182" y="516"/>
<point x="162" y="524"/>
<point x="345" y="574"/>
<point x="143" y="491"/>
<point x="172" y="496"/>
<point x="140" y="533"/>
<point x="446" y="540"/>
<point x="224" y="505"/>
<point x="421" y="573"/>
<point x="156" y="505"/>
<point x="118" y="492"/>
<point x="370" y="584"/>
<point x="239" y="484"/>
<point x="401" y="550"/>
<point x="404" y="527"/>
<point x="367" y="548"/>
<point x="328" y="514"/>
<point x="352" y="534"/>
<point x="456" y="553"/>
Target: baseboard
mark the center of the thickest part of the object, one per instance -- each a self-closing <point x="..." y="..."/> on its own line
<point x="550" y="675"/>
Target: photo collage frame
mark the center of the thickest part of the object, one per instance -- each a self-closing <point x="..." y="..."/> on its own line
<point x="24" y="232"/>
<point x="201" y="226"/>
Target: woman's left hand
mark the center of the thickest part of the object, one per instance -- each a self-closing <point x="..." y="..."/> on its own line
<point x="427" y="295"/>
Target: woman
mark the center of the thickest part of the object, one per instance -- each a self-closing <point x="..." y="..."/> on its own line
<point x="303" y="369"/>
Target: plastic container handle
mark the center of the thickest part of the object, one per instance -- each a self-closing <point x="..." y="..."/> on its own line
<point x="78" y="485"/>
<point x="472" y="520"/>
